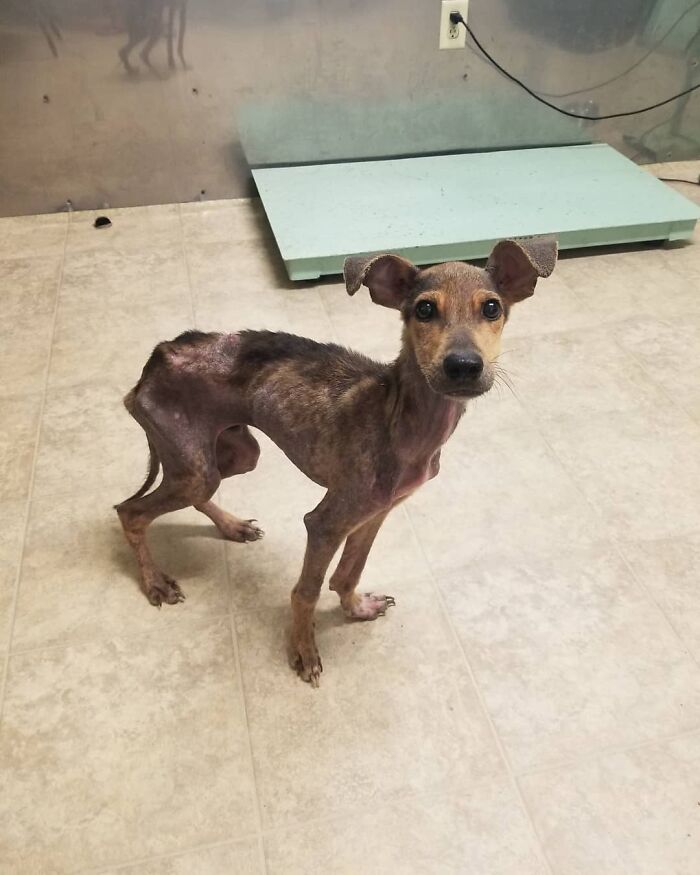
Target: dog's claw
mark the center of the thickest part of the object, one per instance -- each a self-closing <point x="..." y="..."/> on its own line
<point x="164" y="589"/>
<point x="369" y="606"/>
<point x="312" y="674"/>
<point x="242" y="531"/>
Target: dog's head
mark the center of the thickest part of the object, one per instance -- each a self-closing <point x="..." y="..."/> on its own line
<point x="454" y="313"/>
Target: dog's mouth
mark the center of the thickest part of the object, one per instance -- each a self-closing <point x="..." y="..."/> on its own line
<point x="465" y="394"/>
<point x="462" y="391"/>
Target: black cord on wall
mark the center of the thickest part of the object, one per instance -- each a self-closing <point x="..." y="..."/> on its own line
<point x="456" y="18"/>
<point x="633" y="66"/>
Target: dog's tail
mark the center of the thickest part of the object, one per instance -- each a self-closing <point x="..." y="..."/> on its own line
<point x="153" y="460"/>
<point x="153" y="469"/>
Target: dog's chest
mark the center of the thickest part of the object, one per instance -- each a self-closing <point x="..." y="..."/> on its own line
<point x="421" y="454"/>
<point x="417" y="474"/>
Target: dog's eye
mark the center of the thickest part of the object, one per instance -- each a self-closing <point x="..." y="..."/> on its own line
<point x="491" y="309"/>
<point x="425" y="310"/>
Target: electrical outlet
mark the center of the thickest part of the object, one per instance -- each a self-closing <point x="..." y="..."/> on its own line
<point x="453" y="36"/>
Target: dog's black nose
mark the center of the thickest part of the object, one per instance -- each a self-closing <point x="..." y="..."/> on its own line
<point x="463" y="366"/>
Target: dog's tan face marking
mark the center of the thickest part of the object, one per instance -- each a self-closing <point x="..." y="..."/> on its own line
<point x="453" y="314"/>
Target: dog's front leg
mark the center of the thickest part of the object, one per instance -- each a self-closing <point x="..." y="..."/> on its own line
<point x="327" y="526"/>
<point x="345" y="578"/>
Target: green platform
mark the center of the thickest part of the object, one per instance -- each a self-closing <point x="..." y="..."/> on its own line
<point x="455" y="207"/>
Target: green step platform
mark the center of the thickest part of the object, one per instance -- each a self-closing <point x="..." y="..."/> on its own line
<point x="455" y="207"/>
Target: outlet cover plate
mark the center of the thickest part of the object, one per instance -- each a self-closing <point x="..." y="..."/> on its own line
<point x="452" y="37"/>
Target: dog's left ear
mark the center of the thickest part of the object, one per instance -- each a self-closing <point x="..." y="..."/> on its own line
<point x="515" y="265"/>
<point x="389" y="278"/>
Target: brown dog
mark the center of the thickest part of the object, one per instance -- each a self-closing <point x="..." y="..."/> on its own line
<point x="370" y="433"/>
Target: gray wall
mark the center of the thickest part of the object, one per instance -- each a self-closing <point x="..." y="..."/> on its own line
<point x="275" y="81"/>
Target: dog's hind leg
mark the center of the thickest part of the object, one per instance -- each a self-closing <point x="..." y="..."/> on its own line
<point x="237" y="452"/>
<point x="186" y="483"/>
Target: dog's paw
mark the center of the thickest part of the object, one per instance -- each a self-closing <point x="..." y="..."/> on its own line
<point x="369" y="606"/>
<point x="242" y="531"/>
<point x="309" y="667"/>
<point x="162" y="588"/>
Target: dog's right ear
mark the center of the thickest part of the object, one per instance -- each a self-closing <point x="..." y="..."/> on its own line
<point x="389" y="278"/>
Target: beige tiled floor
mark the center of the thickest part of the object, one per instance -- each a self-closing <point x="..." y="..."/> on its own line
<point x="530" y="707"/>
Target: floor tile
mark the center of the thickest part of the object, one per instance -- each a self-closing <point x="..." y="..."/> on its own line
<point x="36" y="235"/>
<point x="629" y="812"/>
<point x="668" y="569"/>
<point x="624" y="284"/>
<point x="133" y="230"/>
<point x="394" y="715"/>
<point x="89" y="442"/>
<point x="234" y="288"/>
<point x="359" y="323"/>
<point x="19" y="417"/>
<point x="579" y="373"/>
<point x="224" y="221"/>
<point x="12" y="516"/>
<point x="500" y="491"/>
<point x="30" y="287"/>
<point x="76" y="557"/>
<point x="167" y="710"/>
<point x="481" y="830"/>
<point x="639" y="469"/>
<point x="238" y="858"/>
<point x="24" y="356"/>
<point x="237" y="270"/>
<point x="499" y="410"/>
<point x="553" y="307"/>
<point x="683" y="261"/>
<point x="570" y="655"/>
<point x="111" y="280"/>
<point x="81" y="351"/>
<point x="665" y="349"/>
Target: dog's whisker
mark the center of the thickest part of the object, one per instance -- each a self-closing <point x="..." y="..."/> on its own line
<point x="501" y="353"/>
<point x="503" y="377"/>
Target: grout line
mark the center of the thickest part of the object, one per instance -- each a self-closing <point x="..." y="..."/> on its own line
<point x="369" y="809"/>
<point x="647" y="593"/>
<point x="115" y="867"/>
<point x="183" y="246"/>
<point x="121" y="635"/>
<point x="244" y="705"/>
<point x="482" y="702"/>
<point x="32" y="476"/>
<point x="592" y="756"/>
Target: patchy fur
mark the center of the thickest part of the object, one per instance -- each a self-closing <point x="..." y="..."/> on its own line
<point x="370" y="433"/>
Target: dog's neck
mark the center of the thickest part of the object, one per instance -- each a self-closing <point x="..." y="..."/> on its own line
<point x="421" y="420"/>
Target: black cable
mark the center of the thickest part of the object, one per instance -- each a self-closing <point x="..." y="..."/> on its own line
<point x="632" y="66"/>
<point x="678" y="179"/>
<point x="456" y="18"/>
